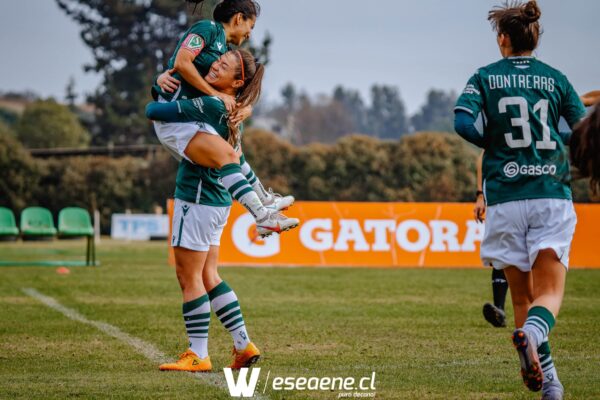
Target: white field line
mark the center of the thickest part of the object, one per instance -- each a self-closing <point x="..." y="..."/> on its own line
<point x="146" y="349"/>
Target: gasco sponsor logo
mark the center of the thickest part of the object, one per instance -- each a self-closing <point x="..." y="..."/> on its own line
<point x="513" y="169"/>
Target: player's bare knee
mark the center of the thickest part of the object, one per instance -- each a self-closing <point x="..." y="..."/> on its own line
<point x="228" y="157"/>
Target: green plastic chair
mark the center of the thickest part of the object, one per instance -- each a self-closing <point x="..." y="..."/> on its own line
<point x="8" y="225"/>
<point x="76" y="222"/>
<point x="37" y="221"/>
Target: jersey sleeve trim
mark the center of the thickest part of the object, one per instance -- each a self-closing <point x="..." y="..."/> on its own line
<point x="461" y="108"/>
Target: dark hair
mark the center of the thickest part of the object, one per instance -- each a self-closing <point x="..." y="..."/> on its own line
<point x="520" y="21"/>
<point x="252" y="74"/>
<point x="226" y="9"/>
<point x="585" y="149"/>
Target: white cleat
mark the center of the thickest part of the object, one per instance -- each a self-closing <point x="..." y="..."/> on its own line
<point x="279" y="202"/>
<point x="276" y="223"/>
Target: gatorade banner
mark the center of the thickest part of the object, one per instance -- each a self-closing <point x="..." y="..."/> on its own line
<point x="332" y="234"/>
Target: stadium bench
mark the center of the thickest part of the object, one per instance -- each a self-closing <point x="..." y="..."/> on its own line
<point x="76" y="222"/>
<point x="37" y="222"/>
<point x="8" y="224"/>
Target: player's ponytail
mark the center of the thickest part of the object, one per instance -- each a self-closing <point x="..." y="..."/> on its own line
<point x="227" y="9"/>
<point x="520" y="21"/>
<point x="251" y="72"/>
<point x="585" y="149"/>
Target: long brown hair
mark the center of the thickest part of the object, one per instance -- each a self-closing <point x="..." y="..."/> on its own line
<point x="585" y="149"/>
<point x="520" y="21"/>
<point x="251" y="72"/>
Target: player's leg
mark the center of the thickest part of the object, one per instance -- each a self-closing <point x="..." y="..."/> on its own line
<point x="267" y="221"/>
<point x="269" y="199"/>
<point x="494" y="313"/>
<point x="191" y="243"/>
<point x="521" y="291"/>
<point x="226" y="307"/>
<point x="552" y="225"/>
<point x="549" y="276"/>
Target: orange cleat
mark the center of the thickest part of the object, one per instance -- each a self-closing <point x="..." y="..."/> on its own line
<point x="245" y="358"/>
<point x="190" y="362"/>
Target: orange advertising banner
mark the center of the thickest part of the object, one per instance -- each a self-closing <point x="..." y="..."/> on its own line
<point x="436" y="235"/>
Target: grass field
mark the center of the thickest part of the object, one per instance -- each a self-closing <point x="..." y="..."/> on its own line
<point x="421" y="331"/>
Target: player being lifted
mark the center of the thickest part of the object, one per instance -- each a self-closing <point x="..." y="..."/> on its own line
<point x="201" y="45"/>
<point x="530" y="216"/>
<point x="201" y="209"/>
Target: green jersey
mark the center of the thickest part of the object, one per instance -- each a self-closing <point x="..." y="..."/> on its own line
<point x="521" y="100"/>
<point x="206" y="40"/>
<point x="194" y="183"/>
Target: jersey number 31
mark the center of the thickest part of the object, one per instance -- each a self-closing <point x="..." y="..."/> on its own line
<point x="523" y="122"/>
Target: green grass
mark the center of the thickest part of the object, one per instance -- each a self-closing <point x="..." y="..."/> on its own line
<point x="420" y="330"/>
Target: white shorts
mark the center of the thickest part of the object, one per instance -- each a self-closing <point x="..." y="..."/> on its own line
<point x="197" y="226"/>
<point x="516" y="231"/>
<point x="175" y="136"/>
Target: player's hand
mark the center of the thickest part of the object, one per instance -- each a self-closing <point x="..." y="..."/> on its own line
<point x="239" y="115"/>
<point x="228" y="100"/>
<point x="479" y="209"/>
<point x="166" y="81"/>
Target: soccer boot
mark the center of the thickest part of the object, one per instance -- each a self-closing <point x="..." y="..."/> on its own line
<point x="190" y="362"/>
<point x="245" y="358"/>
<point x="531" y="369"/>
<point x="552" y="390"/>
<point x="279" y="202"/>
<point x="275" y="222"/>
<point x="494" y="315"/>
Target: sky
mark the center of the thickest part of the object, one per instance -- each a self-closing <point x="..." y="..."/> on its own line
<point x="318" y="44"/>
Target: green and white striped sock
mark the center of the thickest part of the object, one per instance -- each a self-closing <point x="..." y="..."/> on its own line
<point x="539" y="323"/>
<point x="237" y="185"/>
<point x="196" y="314"/>
<point x="225" y="304"/>
<point x="548" y="367"/>
<point x="264" y="196"/>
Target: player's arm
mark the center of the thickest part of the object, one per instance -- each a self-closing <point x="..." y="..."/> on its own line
<point x="479" y="210"/>
<point x="165" y="112"/>
<point x="189" y="110"/>
<point x="190" y="48"/>
<point x="468" y="106"/>
<point x="464" y="125"/>
<point x="590" y="98"/>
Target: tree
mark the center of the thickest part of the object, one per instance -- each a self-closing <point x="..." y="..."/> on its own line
<point x="20" y="173"/>
<point x="131" y="42"/>
<point x="387" y="115"/>
<point x="353" y="104"/>
<point x="46" y="124"/>
<point x="437" y="113"/>
<point x="70" y="94"/>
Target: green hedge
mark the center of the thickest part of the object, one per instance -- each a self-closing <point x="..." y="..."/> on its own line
<point x="420" y="167"/>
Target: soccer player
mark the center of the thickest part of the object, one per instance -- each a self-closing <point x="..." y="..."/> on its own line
<point x="493" y="313"/>
<point x="530" y="217"/>
<point x="201" y="45"/>
<point x="201" y="209"/>
<point x="585" y="148"/>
